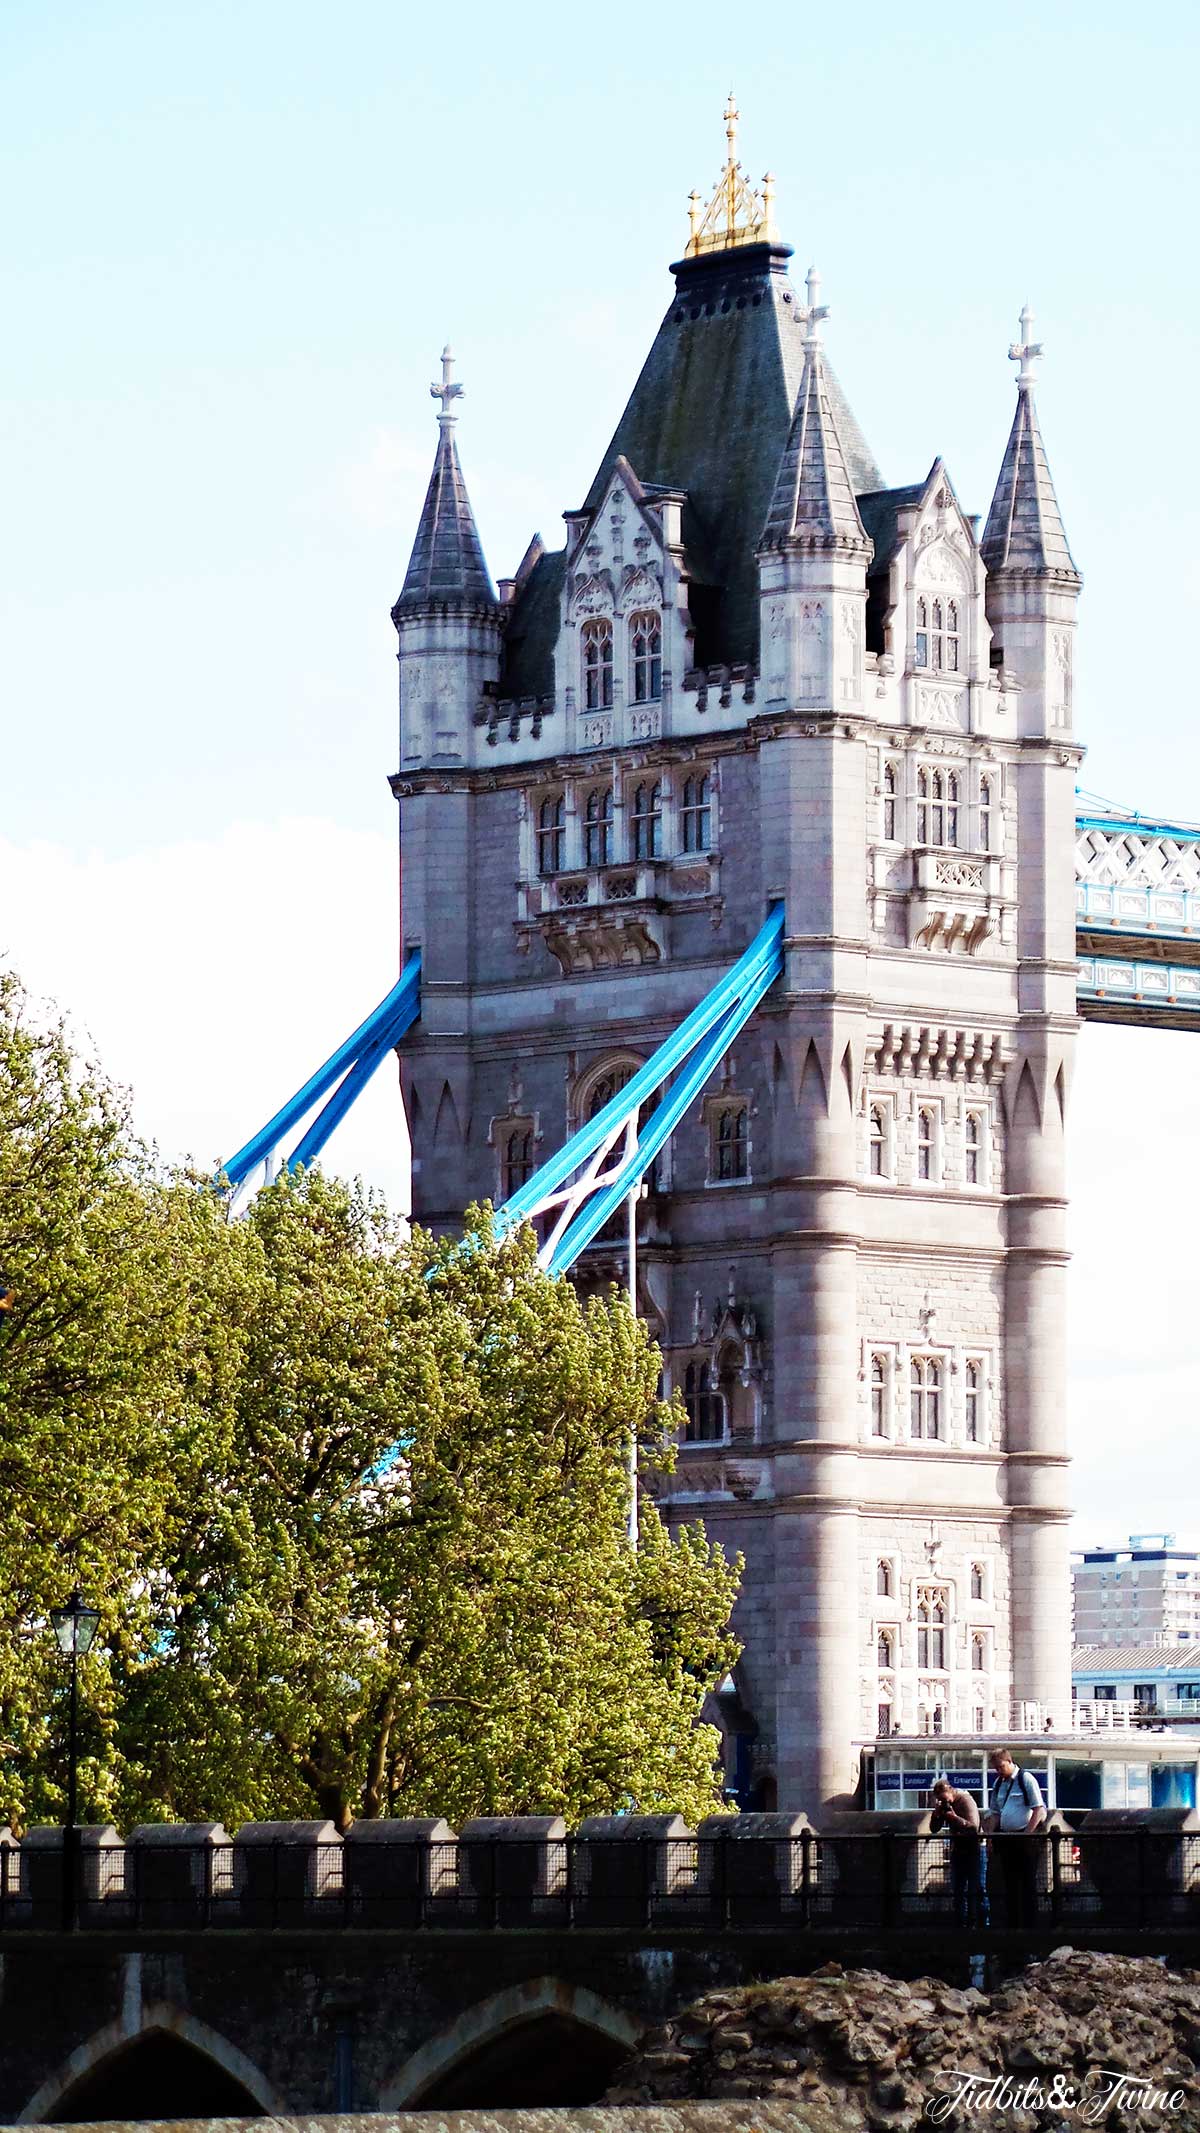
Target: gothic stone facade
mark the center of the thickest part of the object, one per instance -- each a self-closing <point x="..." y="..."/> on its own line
<point x="755" y="672"/>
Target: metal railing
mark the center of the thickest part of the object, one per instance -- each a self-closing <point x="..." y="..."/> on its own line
<point x="1128" y="1880"/>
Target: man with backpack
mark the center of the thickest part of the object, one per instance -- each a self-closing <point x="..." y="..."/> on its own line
<point x="1017" y="1812"/>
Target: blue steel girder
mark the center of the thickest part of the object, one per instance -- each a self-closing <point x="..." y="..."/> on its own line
<point x="1137" y="920"/>
<point x="357" y="1059"/>
<point x="573" y="1180"/>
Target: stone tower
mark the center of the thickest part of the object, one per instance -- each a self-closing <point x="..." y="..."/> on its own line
<point x="754" y="671"/>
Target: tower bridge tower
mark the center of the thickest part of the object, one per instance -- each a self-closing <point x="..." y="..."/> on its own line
<point x="754" y="671"/>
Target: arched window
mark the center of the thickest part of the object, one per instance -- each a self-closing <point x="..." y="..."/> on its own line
<point x="951" y="808"/>
<point x="516" y="1159"/>
<point x="883" y="1720"/>
<point x="597" y="664"/>
<point x="978" y="1719"/>
<point x="883" y="1578"/>
<point x="731" y="1142"/>
<point x="979" y="1654"/>
<point x="598" y="1093"/>
<point x="937" y="808"/>
<point x="926" y="1143"/>
<point x="922" y="805"/>
<point x="552" y="833"/>
<point x="645" y="636"/>
<point x="695" y="815"/>
<point x="877" y="1141"/>
<point x="973" y="1415"/>
<point x="925" y="1396"/>
<point x="883" y="1649"/>
<point x="932" y="1613"/>
<point x="977" y="1581"/>
<point x="889" y="803"/>
<point x="985" y="814"/>
<point x="974" y="1148"/>
<point x="646" y="821"/>
<point x="879" y="1399"/>
<point x="936" y="637"/>
<point x="705" y="1407"/>
<point x="598" y="827"/>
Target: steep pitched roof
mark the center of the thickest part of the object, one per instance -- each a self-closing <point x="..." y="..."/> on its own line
<point x="711" y="412"/>
<point x="813" y="500"/>
<point x="447" y="565"/>
<point x="1024" y="530"/>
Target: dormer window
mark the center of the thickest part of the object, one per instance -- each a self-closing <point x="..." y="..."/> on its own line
<point x="597" y="664"/>
<point x="936" y="635"/>
<point x="646" y="821"/>
<point x="645" y="640"/>
<point x="695" y="815"/>
<point x="598" y="827"/>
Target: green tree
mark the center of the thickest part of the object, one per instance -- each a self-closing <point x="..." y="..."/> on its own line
<point x="460" y="1627"/>
<point x="114" y="1365"/>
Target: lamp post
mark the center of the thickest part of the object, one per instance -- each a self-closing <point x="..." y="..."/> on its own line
<point x="74" y="1626"/>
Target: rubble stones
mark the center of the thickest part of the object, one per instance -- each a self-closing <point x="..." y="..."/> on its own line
<point x="874" y="2052"/>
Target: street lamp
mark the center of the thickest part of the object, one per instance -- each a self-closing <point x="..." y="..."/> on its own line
<point x="75" y="1627"/>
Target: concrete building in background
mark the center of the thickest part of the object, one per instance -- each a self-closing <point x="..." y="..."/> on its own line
<point x="1134" y="1594"/>
<point x="753" y="670"/>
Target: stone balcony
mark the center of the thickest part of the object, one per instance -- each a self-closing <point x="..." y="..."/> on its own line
<point x="613" y="917"/>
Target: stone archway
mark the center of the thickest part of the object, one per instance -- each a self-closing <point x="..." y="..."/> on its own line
<point x="170" y="2066"/>
<point x="542" y="2042"/>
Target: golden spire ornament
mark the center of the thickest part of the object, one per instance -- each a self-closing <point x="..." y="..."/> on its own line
<point x="736" y="214"/>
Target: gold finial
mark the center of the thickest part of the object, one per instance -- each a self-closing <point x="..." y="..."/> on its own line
<point x="736" y="214"/>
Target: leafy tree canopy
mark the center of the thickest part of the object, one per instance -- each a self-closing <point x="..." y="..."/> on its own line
<point x="353" y="1502"/>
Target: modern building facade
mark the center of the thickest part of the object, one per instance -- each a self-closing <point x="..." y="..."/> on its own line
<point x="1133" y="1594"/>
<point x="754" y="670"/>
<point x="1161" y="1676"/>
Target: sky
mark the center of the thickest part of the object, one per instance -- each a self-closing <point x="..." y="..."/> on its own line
<point x="237" y="236"/>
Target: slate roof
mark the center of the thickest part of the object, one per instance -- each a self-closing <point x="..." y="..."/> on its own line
<point x="879" y="510"/>
<point x="812" y="504"/>
<point x="1150" y="1658"/>
<point x="1024" y="528"/>
<point x="531" y="632"/>
<point x="447" y="564"/>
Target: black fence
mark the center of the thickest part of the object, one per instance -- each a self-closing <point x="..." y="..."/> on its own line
<point x="877" y="1880"/>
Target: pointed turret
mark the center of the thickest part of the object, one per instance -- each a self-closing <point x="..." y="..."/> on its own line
<point x="814" y="549"/>
<point x="447" y="562"/>
<point x="448" y="618"/>
<point x="1024" y="526"/>
<point x="813" y="503"/>
<point x="1032" y="582"/>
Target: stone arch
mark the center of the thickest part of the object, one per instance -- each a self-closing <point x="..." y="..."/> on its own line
<point x="115" y="2040"/>
<point x="543" y="2002"/>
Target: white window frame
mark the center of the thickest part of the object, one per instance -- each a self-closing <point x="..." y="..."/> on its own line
<point x="921" y="1362"/>
<point x="886" y="1108"/>
<point x="930" y="1105"/>
<point x="977" y="1114"/>
<point x="976" y="1360"/>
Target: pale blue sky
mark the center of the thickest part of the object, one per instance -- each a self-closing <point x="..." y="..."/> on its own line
<point x="236" y="238"/>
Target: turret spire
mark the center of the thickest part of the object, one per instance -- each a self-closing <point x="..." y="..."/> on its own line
<point x="447" y="566"/>
<point x="813" y="503"/>
<point x="1024" y="530"/>
<point x="736" y="214"/>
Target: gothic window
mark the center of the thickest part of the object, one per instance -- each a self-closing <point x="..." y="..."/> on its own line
<point x="705" y="1407"/>
<point x="646" y="821"/>
<point x="978" y="1719"/>
<point x="937" y="636"/>
<point x="951" y="808"/>
<point x="883" y="1578"/>
<point x="922" y="806"/>
<point x="516" y="1159"/>
<point x="978" y="1655"/>
<point x="729" y="1158"/>
<point x="889" y="803"/>
<point x="937" y="806"/>
<point x="977" y="1581"/>
<point x="932" y="1611"/>
<point x="597" y="664"/>
<point x="879" y="1398"/>
<point x="883" y="1649"/>
<point x="552" y="833"/>
<point x="695" y="815"/>
<point x="973" y="1404"/>
<point x="877" y="1141"/>
<point x="589" y="1103"/>
<point x="926" y="1143"/>
<point x="985" y="814"/>
<point x="883" y="1720"/>
<point x="974" y="1148"/>
<point x="598" y="827"/>
<point x="925" y="1396"/>
<point x="645" y="636"/>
